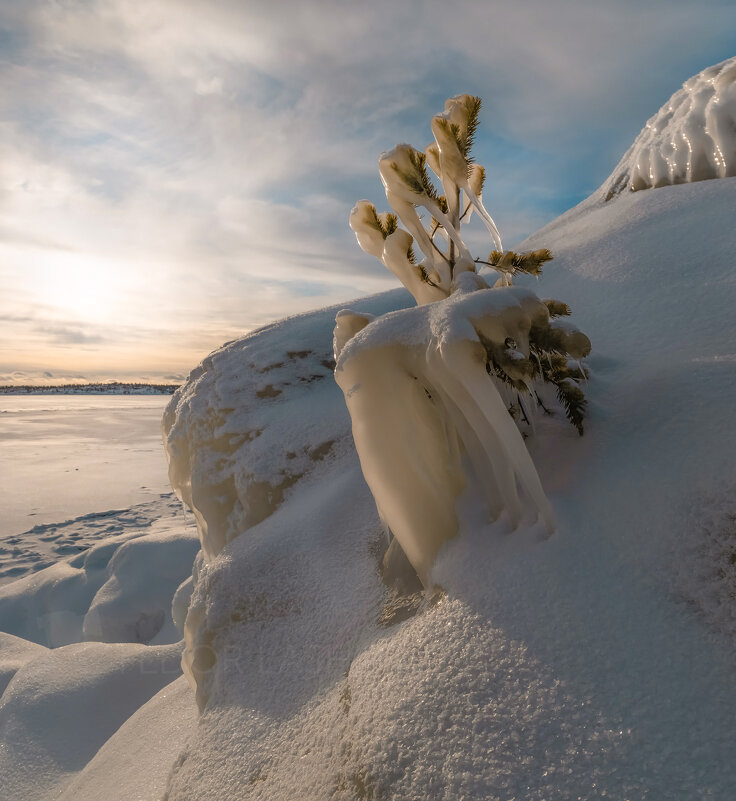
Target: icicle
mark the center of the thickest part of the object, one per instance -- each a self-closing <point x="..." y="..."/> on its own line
<point x="483" y="427"/>
<point x="482" y="466"/>
<point x="468" y="381"/>
<point x="484" y="215"/>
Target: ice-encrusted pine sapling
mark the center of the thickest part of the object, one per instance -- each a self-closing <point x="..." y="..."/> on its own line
<point x="429" y="389"/>
<point x="409" y="187"/>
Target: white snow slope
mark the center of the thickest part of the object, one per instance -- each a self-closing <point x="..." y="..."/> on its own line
<point x="597" y="663"/>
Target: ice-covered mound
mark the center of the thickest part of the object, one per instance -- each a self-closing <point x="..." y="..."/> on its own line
<point x="572" y="667"/>
<point x="691" y="138"/>
<point x="251" y="424"/>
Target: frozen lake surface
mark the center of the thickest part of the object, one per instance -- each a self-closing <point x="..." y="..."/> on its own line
<point x="70" y="466"/>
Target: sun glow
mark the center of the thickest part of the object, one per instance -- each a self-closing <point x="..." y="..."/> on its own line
<point x="82" y="286"/>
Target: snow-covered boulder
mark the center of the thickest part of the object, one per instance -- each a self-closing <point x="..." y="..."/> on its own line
<point x="253" y="420"/>
<point x="691" y="138"/>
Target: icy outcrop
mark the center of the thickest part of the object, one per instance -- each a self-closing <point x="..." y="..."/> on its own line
<point x="691" y="138"/>
<point x="225" y="427"/>
<point x="419" y="395"/>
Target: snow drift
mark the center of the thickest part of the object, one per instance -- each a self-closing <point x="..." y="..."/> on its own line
<point x="119" y="590"/>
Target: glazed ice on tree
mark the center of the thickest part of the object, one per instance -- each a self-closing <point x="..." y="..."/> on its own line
<point x="429" y="386"/>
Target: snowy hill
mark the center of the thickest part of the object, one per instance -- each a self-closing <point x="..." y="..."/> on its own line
<point x="598" y="662"/>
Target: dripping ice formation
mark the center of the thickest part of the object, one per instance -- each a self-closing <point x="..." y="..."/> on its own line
<point x="691" y="138"/>
<point x="418" y="393"/>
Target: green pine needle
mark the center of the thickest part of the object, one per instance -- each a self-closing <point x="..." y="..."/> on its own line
<point x="511" y="262"/>
<point x="557" y="308"/>
<point x="390" y="222"/>
<point x="385" y="223"/>
<point x="466" y="139"/>
<point x="423" y="183"/>
<point x="573" y="401"/>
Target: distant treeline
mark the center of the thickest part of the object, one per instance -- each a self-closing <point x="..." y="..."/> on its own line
<point x="112" y="388"/>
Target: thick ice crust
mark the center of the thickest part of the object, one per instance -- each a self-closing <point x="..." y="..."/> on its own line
<point x="691" y="138"/>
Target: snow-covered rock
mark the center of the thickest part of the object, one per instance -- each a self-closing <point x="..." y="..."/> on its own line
<point x="254" y="419"/>
<point x="691" y="138"/>
<point x="252" y="423"/>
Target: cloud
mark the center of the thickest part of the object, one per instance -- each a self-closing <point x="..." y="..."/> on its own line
<point x="65" y="335"/>
<point x="200" y="159"/>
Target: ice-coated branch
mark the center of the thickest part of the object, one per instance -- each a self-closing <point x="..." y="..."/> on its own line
<point x="379" y="235"/>
<point x="454" y="168"/>
<point x="407" y="184"/>
<point x="405" y="178"/>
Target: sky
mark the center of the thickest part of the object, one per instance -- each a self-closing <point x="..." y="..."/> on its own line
<point x="175" y="173"/>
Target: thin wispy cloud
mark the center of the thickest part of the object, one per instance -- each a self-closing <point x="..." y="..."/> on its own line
<point x="186" y="168"/>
